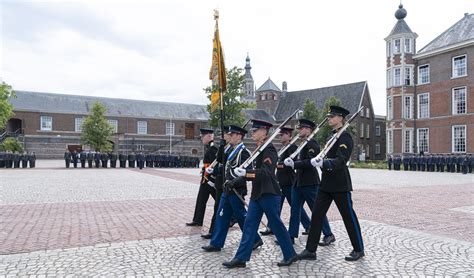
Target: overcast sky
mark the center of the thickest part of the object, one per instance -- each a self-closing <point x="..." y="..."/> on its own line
<point x="161" y="50"/>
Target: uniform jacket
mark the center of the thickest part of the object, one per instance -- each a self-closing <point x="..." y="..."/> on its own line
<point x="234" y="159"/>
<point x="286" y="174"/>
<point x="264" y="180"/>
<point x="209" y="157"/>
<point x="335" y="174"/>
<point x="306" y="174"/>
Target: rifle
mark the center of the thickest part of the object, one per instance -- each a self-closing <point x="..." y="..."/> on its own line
<point x="336" y="136"/>
<point x="303" y="144"/>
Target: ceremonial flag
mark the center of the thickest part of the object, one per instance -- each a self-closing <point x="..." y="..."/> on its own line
<point x="217" y="73"/>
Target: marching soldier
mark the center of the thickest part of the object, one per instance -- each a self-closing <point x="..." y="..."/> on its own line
<point x="104" y="157"/>
<point x="140" y="160"/>
<point x="389" y="162"/>
<point x="205" y="190"/>
<point x="122" y="160"/>
<point x="24" y="160"/>
<point x="335" y="186"/>
<point x="90" y="158"/>
<point x="82" y="158"/>
<point x="306" y="184"/>
<point x="97" y="159"/>
<point x="405" y="160"/>
<point x="230" y="204"/>
<point x="286" y="178"/>
<point x="32" y="160"/>
<point x="131" y="160"/>
<point x="265" y="199"/>
<point x="74" y="158"/>
<point x="16" y="160"/>
<point x="442" y="162"/>
<point x="67" y="158"/>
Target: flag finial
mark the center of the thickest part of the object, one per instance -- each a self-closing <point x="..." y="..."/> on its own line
<point x="216" y="14"/>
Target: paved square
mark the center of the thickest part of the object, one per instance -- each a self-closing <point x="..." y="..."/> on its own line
<point x="117" y="222"/>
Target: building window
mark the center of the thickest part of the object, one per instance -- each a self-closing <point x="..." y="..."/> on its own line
<point x="389" y="108"/>
<point x="262" y="97"/>
<point x="423" y="140"/>
<point x="367" y="112"/>
<point x="459" y="138"/>
<point x="389" y="49"/>
<point x="407" y="45"/>
<point x="407" y="78"/>
<point x="424" y="74"/>
<point x="396" y="46"/>
<point x="389" y="79"/>
<point x="46" y="123"/>
<point x="389" y="141"/>
<point x="407" y="139"/>
<point x="377" y="148"/>
<point x="459" y="66"/>
<point x="367" y="151"/>
<point x="361" y="130"/>
<point x="361" y="113"/>
<point x="169" y="128"/>
<point x="377" y="130"/>
<point x="367" y="133"/>
<point x="423" y="105"/>
<point x="78" y="124"/>
<point x="114" y="124"/>
<point x="396" y="77"/>
<point x="142" y="127"/>
<point x="408" y="107"/>
<point x="459" y="100"/>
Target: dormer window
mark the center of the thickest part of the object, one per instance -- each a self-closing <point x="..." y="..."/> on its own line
<point x="396" y="46"/>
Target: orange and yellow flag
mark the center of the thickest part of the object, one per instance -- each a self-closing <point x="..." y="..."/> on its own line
<point x="217" y="73"/>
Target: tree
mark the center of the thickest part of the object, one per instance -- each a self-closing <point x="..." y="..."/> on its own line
<point x="96" y="131"/>
<point x="6" y="108"/>
<point x="232" y="106"/>
<point x="11" y="144"/>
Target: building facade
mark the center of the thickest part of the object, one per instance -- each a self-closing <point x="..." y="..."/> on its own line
<point x="430" y="99"/>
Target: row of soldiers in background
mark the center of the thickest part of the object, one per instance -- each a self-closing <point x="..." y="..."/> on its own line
<point x="453" y="163"/>
<point x="17" y="160"/>
<point x="139" y="160"/>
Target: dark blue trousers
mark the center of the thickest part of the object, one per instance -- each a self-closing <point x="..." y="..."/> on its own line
<point x="299" y="195"/>
<point x="286" y="190"/>
<point x="229" y="205"/>
<point x="268" y="204"/>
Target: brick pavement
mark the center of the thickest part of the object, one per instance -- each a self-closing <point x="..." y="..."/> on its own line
<point x="40" y="211"/>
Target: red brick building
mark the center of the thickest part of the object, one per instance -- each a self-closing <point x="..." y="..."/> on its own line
<point x="430" y="98"/>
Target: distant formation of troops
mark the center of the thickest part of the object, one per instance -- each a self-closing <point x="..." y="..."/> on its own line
<point x="451" y="163"/>
<point x="92" y="159"/>
<point x="17" y="160"/>
<point x="291" y="174"/>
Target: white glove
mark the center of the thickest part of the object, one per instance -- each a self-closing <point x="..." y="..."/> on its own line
<point x="209" y="170"/>
<point x="239" y="172"/>
<point x="289" y="162"/>
<point x="317" y="162"/>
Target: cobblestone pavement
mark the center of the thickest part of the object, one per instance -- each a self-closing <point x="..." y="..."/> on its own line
<point x="121" y="222"/>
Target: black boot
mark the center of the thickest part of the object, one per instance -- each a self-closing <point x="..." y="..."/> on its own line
<point x="327" y="240"/>
<point x="211" y="248"/>
<point x="354" y="256"/>
<point x="307" y="255"/>
<point x="266" y="232"/>
<point x="257" y="244"/>
<point x="288" y="262"/>
<point x="207" y="236"/>
<point x="234" y="263"/>
<point x="193" y="224"/>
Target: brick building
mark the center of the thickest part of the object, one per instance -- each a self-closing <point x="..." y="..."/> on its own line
<point x="430" y="98"/>
<point x="48" y="123"/>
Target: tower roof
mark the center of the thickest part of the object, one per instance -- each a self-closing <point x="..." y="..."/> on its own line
<point x="401" y="26"/>
<point x="461" y="31"/>
<point x="269" y="86"/>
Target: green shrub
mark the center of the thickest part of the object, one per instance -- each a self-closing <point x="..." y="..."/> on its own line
<point x="11" y="144"/>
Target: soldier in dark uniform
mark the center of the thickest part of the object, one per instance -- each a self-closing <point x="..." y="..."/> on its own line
<point x="24" y="160"/>
<point x="67" y="158"/>
<point x="442" y="162"/>
<point x="82" y="158"/>
<point x="264" y="199"/>
<point x="459" y="160"/>
<point x="113" y="160"/>
<point x="307" y="183"/>
<point x="9" y="159"/>
<point x="131" y="160"/>
<point x="465" y="164"/>
<point x="104" y="157"/>
<point x="16" y="160"/>
<point x="230" y="204"/>
<point x="389" y="162"/>
<point x="218" y="177"/>
<point x="286" y="178"/>
<point x="336" y="186"/>
<point x="405" y="162"/>
<point x="74" y="158"/>
<point x="90" y="158"/>
<point x="2" y="159"/>
<point x="149" y="161"/>
<point x="32" y="159"/>
<point x="122" y="159"/>
<point x="205" y="190"/>
<point x="471" y="163"/>
<point x="97" y="159"/>
<point x="140" y="160"/>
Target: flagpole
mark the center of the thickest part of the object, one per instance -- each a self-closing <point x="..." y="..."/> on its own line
<point x="221" y="98"/>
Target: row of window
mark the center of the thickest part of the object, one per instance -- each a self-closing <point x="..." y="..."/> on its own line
<point x="458" y="140"/>
<point x="366" y="128"/>
<point x="458" y="104"/>
<point x="395" y="46"/>
<point x="395" y="76"/>
<point x="366" y="114"/>
<point x="46" y="124"/>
